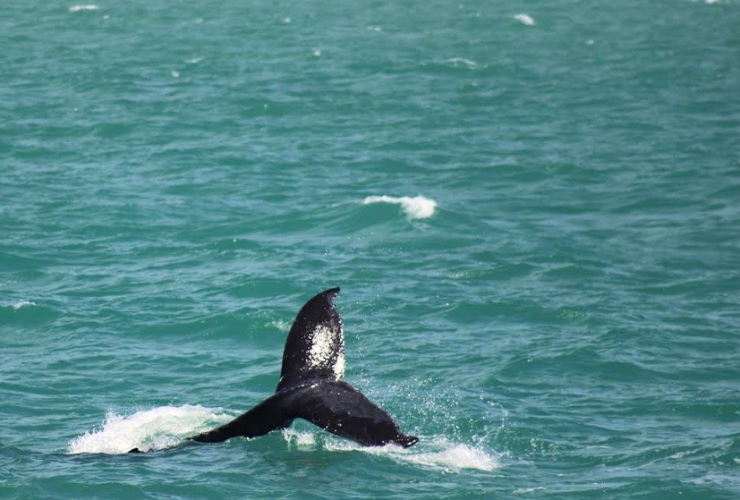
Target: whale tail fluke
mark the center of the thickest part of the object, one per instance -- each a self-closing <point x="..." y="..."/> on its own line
<point x="334" y="406"/>
<point x="310" y="387"/>
<point x="267" y="416"/>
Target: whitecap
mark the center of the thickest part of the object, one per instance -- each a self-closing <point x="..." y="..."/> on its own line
<point x="78" y="8"/>
<point x="23" y="303"/>
<point x="524" y="19"/>
<point x="461" y="62"/>
<point x="417" y="207"/>
<point x="155" y="429"/>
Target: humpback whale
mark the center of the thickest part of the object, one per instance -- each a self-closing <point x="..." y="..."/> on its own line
<point x="310" y="387"/>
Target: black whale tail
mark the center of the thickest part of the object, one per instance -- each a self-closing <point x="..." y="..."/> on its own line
<point x="310" y="387"/>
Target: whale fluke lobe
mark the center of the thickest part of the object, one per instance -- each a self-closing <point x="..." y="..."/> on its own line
<point x="343" y="410"/>
<point x="310" y="387"/>
<point x="315" y="345"/>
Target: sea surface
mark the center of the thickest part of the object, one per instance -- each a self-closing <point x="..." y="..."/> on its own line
<point x="532" y="209"/>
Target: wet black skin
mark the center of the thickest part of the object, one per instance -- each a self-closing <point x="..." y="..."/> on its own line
<point x="313" y="392"/>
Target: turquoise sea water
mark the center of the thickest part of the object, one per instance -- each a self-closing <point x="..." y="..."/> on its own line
<point x="177" y="179"/>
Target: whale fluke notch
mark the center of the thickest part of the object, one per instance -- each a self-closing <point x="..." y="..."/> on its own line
<point x="309" y="387"/>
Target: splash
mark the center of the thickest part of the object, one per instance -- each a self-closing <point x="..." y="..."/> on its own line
<point x="455" y="457"/>
<point x="417" y="207"/>
<point x="300" y="439"/>
<point x="168" y="426"/>
<point x="436" y="453"/>
<point x="148" y="430"/>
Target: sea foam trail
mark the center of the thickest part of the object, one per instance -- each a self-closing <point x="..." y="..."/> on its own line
<point x="435" y="453"/>
<point x="147" y="430"/>
<point x="168" y="426"/>
<point x="417" y="207"/>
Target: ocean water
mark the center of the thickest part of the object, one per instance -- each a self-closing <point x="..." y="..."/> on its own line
<point x="532" y="208"/>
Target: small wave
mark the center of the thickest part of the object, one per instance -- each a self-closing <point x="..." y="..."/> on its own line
<point x="524" y="19"/>
<point x="23" y="303"/>
<point x="417" y="207"/>
<point x="78" y="8"/>
<point x="461" y="62"/>
<point x="148" y="430"/>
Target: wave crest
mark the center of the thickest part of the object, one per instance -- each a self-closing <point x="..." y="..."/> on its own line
<point x="417" y="207"/>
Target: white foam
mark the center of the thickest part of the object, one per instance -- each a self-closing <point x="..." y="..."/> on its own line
<point x="281" y="325"/>
<point x="524" y="19"/>
<point x="168" y="426"/>
<point x="154" y="429"/>
<point x="78" y="8"/>
<point x="417" y="207"/>
<point x="23" y="303"/>
<point x="461" y="62"/>
<point x="443" y="455"/>
<point x="521" y="491"/>
<point x="454" y="457"/>
<point x="301" y="439"/>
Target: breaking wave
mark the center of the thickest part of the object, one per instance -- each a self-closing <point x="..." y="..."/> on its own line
<point x="417" y="207"/>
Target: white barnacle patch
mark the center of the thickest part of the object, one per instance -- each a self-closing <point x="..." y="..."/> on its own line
<point x="339" y="365"/>
<point x="323" y="343"/>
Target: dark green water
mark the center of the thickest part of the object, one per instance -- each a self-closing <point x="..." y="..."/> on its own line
<point x="176" y="180"/>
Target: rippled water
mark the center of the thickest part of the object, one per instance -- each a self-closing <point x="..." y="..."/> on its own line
<point x="532" y="211"/>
